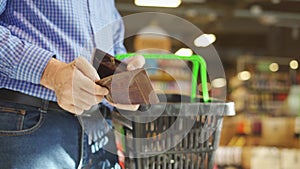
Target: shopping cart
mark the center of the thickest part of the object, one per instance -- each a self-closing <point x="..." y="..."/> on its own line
<point x="181" y="132"/>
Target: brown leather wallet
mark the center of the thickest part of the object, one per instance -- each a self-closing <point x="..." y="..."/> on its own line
<point x="107" y="65"/>
<point x="125" y="87"/>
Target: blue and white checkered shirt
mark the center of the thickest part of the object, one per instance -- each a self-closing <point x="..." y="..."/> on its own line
<point x="31" y="32"/>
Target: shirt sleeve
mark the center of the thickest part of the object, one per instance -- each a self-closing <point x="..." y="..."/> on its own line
<point x="2" y="6"/>
<point x="19" y="59"/>
<point x="118" y="34"/>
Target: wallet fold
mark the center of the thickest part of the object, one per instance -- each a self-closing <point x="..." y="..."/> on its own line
<point x="125" y="87"/>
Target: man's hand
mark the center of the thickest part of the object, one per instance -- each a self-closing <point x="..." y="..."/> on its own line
<point x="132" y="64"/>
<point x="74" y="84"/>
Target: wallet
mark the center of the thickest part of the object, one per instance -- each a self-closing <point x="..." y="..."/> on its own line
<point x="125" y="87"/>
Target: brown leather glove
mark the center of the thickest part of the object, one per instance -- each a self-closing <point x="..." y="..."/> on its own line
<point x="74" y="84"/>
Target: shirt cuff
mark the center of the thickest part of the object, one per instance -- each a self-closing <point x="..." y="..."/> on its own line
<point x="31" y="66"/>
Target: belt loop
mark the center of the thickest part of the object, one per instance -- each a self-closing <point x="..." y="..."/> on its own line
<point x="44" y="107"/>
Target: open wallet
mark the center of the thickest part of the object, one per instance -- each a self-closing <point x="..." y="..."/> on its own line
<point x="125" y="87"/>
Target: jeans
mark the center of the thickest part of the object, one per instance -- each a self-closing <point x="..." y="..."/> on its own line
<point x="31" y="138"/>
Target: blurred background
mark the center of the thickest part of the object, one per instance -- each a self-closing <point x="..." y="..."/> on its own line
<point x="255" y="27"/>
<point x="258" y="43"/>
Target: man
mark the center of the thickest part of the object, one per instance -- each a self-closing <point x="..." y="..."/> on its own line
<point x="44" y="83"/>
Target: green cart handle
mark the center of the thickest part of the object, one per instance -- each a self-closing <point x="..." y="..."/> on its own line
<point x="195" y="59"/>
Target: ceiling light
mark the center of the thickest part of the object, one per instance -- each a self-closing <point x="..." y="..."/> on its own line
<point x="274" y="67"/>
<point x="184" y="52"/>
<point x="256" y="10"/>
<point x="294" y="64"/>
<point x="275" y="1"/>
<point x="205" y="40"/>
<point x="244" y="75"/>
<point x="218" y="83"/>
<point x="158" y="3"/>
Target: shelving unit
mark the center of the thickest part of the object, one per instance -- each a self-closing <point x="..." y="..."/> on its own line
<point x="170" y="76"/>
<point x="264" y="97"/>
<point x="263" y="123"/>
<point x="266" y="90"/>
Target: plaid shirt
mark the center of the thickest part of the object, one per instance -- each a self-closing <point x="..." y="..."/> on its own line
<point x="31" y="32"/>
